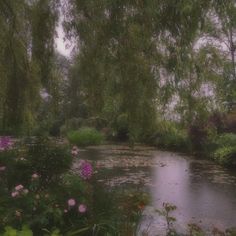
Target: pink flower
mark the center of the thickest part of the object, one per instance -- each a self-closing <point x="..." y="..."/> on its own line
<point x="82" y="208"/>
<point x="2" y="168"/>
<point x="86" y="170"/>
<point x="14" y="194"/>
<point x="71" y="202"/>
<point x="74" y="151"/>
<point x="19" y="187"/>
<point x="5" y="143"/>
<point x="35" y="176"/>
<point x="65" y="210"/>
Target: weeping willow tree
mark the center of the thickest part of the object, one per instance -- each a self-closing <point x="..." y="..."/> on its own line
<point x="115" y="62"/>
<point x="19" y="83"/>
<point x="27" y="45"/>
<point x="134" y="57"/>
<point x="124" y="46"/>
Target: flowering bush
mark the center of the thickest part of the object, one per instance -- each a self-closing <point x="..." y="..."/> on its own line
<point x="5" y="143"/>
<point x="86" y="170"/>
<point x="38" y="190"/>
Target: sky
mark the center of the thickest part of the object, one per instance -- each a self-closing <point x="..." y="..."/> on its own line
<point x="61" y="43"/>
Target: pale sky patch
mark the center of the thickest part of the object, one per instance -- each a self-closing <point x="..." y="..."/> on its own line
<point x="62" y="45"/>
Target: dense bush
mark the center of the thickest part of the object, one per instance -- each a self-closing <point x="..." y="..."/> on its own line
<point x="168" y="135"/>
<point x="121" y="127"/>
<point x="85" y="136"/>
<point x="230" y="122"/>
<point x="226" y="139"/>
<point x="48" y="159"/>
<point x="70" y="125"/>
<point x="38" y="190"/>
<point x="198" y="133"/>
<point x="40" y="156"/>
<point x="225" y="149"/>
<point x="225" y="155"/>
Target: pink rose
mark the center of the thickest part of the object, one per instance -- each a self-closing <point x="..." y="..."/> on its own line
<point x="71" y="202"/>
<point x="14" y="194"/>
<point x="82" y="208"/>
<point x="19" y="187"/>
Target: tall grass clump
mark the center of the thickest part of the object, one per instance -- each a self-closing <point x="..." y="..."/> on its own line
<point x="85" y="136"/>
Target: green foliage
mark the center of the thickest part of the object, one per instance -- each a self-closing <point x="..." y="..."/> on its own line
<point x="9" y="231"/>
<point x="225" y="155"/>
<point x="40" y="156"/>
<point x="195" y="230"/>
<point x="225" y="150"/>
<point x="48" y="159"/>
<point x="85" y="136"/>
<point x="168" y="135"/>
<point x="165" y="212"/>
<point x="226" y="139"/>
<point x="122" y="126"/>
<point x="35" y="187"/>
<point x="201" y="134"/>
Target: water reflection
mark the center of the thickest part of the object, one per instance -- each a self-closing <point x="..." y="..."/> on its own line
<point x="203" y="192"/>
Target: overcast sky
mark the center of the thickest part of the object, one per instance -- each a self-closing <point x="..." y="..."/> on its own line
<point x="60" y="43"/>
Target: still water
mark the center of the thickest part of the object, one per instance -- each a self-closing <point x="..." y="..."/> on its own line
<point x="204" y="192"/>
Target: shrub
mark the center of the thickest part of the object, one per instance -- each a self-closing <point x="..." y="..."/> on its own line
<point x="70" y="125"/>
<point x="9" y="231"/>
<point x="198" y="134"/>
<point x="48" y="159"/>
<point x="226" y="139"/>
<point x="40" y="156"/>
<point x="225" y="155"/>
<point x="171" y="137"/>
<point x="85" y="136"/>
<point x="39" y="193"/>
<point x="121" y="126"/>
<point x="225" y="149"/>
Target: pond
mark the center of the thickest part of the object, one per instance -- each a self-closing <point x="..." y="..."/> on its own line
<point x="204" y="192"/>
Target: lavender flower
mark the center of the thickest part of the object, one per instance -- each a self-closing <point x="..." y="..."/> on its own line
<point x="86" y="170"/>
<point x="5" y="143"/>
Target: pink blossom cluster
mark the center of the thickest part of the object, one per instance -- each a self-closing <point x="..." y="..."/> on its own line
<point x="82" y="208"/>
<point x="5" y="143"/>
<point x="19" y="190"/>
<point x="75" y="151"/>
<point x="86" y="169"/>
